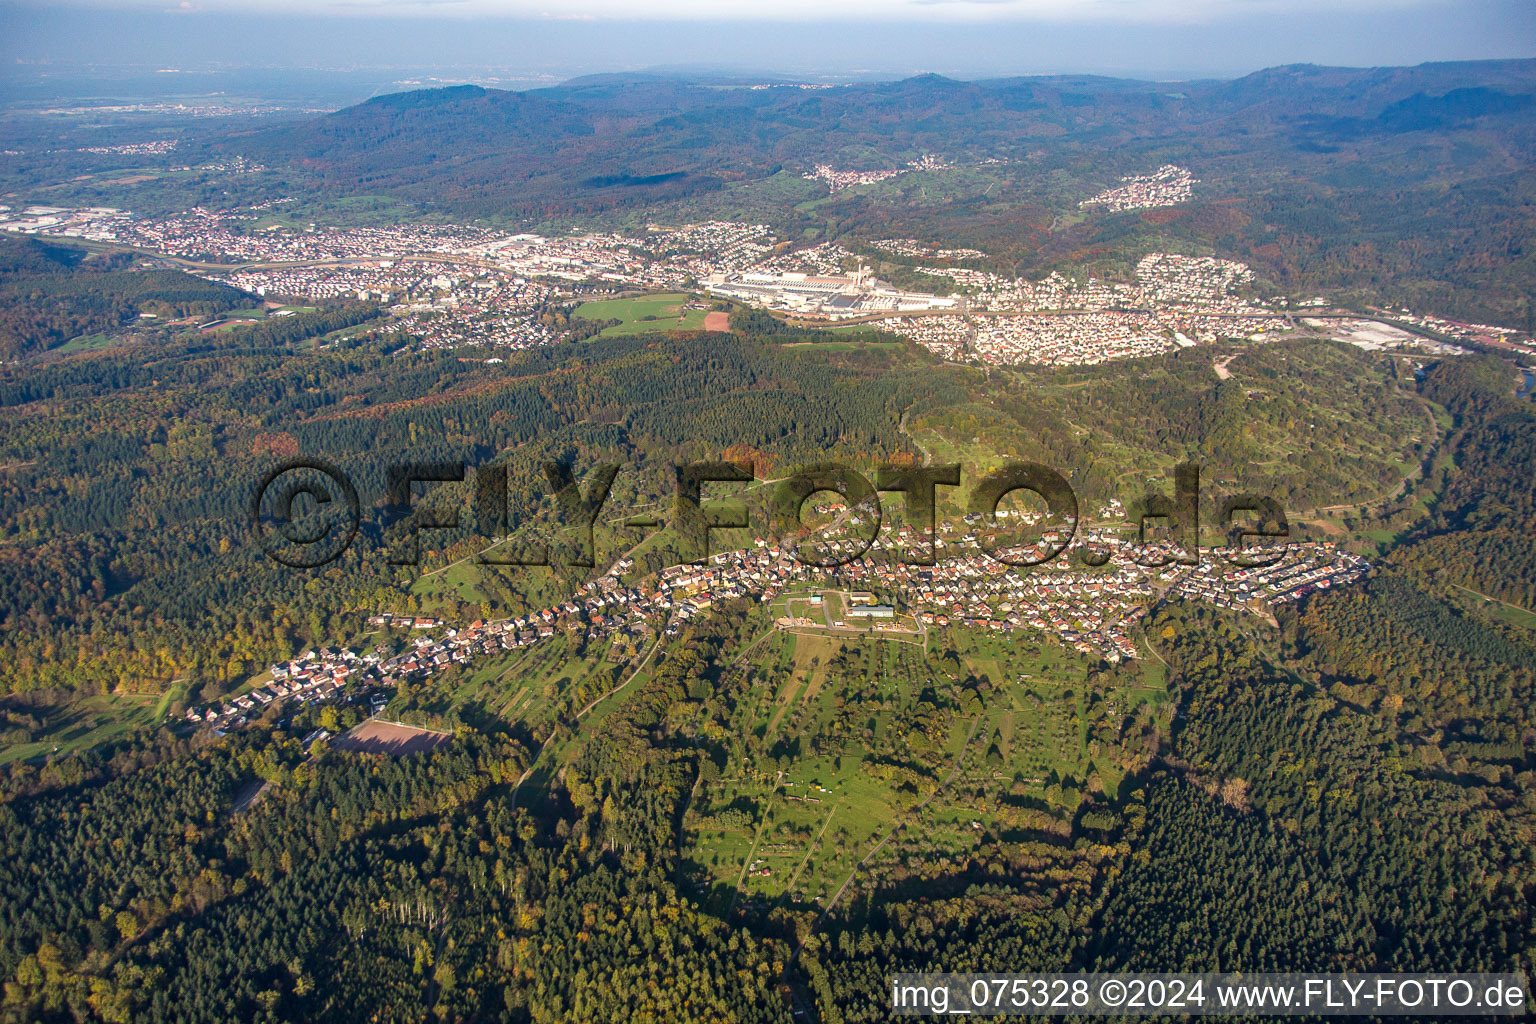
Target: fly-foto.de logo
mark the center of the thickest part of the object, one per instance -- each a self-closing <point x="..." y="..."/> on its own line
<point x="307" y="513"/>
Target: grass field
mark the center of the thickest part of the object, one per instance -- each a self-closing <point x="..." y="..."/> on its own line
<point x="88" y="343"/>
<point x="90" y="722"/>
<point x="1512" y="614"/>
<point x="644" y="313"/>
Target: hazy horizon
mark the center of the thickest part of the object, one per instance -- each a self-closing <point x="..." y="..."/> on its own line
<point x="386" y="45"/>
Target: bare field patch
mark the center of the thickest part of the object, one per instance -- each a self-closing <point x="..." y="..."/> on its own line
<point x="376" y="737"/>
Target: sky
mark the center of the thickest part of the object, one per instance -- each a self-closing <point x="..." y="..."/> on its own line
<point x="531" y="41"/>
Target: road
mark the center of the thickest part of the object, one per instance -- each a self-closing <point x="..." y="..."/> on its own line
<point x="512" y="798"/>
<point x="810" y="850"/>
<point x="1402" y="485"/>
<point x="762" y="824"/>
<point x="741" y="658"/>
<point x="627" y="680"/>
<point x="1495" y="600"/>
<point x="901" y="427"/>
<point x="1327" y="314"/>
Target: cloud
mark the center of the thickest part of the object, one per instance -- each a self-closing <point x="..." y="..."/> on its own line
<point x="396" y="5"/>
<point x="1061" y="11"/>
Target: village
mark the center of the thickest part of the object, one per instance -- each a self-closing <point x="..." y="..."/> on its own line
<point x="1167" y="186"/>
<point x="837" y="179"/>
<point x="1091" y="610"/>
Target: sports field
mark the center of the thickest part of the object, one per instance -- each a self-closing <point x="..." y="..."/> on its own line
<point x="376" y="737"/>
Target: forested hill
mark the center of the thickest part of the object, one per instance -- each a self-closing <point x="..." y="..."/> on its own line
<point x="51" y="294"/>
<point x="627" y="130"/>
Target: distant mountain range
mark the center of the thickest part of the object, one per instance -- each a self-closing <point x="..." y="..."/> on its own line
<point x="1413" y="185"/>
<point x="620" y="140"/>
